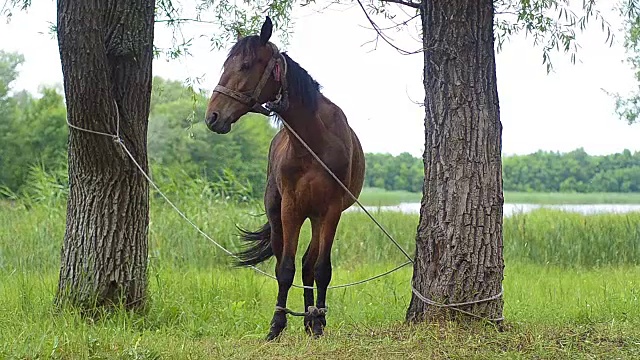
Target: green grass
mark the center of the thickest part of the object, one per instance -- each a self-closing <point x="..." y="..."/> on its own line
<point x="381" y="197"/>
<point x="561" y="299"/>
<point x="569" y="239"/>
<point x="221" y="313"/>
<point x="542" y="236"/>
<point x="571" y="198"/>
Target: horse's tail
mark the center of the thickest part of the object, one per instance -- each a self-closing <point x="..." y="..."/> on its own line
<point x="260" y="250"/>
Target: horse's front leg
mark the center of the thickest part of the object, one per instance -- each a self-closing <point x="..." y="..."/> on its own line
<point x="322" y="269"/>
<point x="285" y="264"/>
<point x="308" y="264"/>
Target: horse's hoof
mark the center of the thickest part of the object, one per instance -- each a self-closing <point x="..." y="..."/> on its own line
<point x="319" y="323"/>
<point x="278" y="323"/>
<point x="308" y="324"/>
<point x="272" y="335"/>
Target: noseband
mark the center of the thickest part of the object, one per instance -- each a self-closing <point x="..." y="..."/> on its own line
<point x="251" y="100"/>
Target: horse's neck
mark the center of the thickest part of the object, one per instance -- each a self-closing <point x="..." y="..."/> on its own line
<point x="306" y="124"/>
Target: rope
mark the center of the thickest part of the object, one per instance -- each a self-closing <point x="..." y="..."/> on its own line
<point x="347" y="190"/>
<point x="455" y="306"/>
<point x="410" y="260"/>
<point x="115" y="137"/>
<point x="232" y="254"/>
<point x="119" y="141"/>
<point x="311" y="311"/>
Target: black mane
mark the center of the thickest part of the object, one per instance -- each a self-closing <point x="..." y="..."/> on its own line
<point x="302" y="87"/>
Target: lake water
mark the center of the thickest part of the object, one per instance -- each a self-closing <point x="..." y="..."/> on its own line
<point x="509" y="209"/>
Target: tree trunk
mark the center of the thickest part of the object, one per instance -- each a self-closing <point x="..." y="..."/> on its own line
<point x="106" y="49"/>
<point x="459" y="241"/>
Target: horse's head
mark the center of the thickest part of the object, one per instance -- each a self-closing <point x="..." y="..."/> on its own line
<point x="251" y="76"/>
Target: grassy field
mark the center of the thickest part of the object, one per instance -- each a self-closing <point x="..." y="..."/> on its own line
<point x="219" y="313"/>
<point x="572" y="290"/>
<point x="381" y="197"/>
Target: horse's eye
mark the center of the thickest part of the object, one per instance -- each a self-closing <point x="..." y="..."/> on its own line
<point x="245" y="66"/>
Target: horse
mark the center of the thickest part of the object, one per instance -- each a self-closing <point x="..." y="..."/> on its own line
<point x="255" y="72"/>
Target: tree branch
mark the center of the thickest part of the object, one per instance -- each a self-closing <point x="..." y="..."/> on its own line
<point x="383" y="36"/>
<point x="396" y="25"/>
<point x="405" y="3"/>
<point x="184" y="20"/>
<point x="4" y="6"/>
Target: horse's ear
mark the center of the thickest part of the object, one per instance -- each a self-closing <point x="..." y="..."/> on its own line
<point x="265" y="32"/>
<point x="238" y="34"/>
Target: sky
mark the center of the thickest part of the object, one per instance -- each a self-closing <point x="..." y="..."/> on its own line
<point x="378" y="88"/>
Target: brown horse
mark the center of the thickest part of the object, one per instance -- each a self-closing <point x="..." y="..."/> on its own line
<point x="298" y="187"/>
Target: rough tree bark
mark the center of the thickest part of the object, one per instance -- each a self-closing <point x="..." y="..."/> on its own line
<point x="106" y="49"/>
<point x="459" y="241"/>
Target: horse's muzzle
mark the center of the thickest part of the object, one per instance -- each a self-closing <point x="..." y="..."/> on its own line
<point x="217" y="125"/>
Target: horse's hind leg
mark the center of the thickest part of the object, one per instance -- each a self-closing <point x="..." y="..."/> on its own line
<point x="273" y="207"/>
<point x="322" y="269"/>
<point x="308" y="264"/>
<point x="285" y="263"/>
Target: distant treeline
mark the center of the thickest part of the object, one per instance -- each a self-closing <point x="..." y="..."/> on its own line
<point x="575" y="171"/>
<point x="543" y="171"/>
<point x="33" y="132"/>
<point x="402" y="172"/>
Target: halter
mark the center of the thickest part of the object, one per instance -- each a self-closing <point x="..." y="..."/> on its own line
<point x="251" y="100"/>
